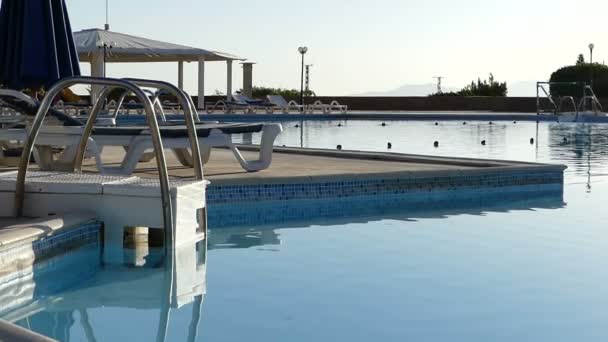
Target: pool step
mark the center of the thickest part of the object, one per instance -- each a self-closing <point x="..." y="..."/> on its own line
<point x="117" y="201"/>
<point x="26" y="241"/>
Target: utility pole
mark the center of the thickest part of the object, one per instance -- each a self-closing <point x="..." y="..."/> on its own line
<point x="307" y="78"/>
<point x="439" y="79"/>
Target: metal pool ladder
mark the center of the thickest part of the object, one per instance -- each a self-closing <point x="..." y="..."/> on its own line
<point x="557" y="103"/>
<point x="133" y="86"/>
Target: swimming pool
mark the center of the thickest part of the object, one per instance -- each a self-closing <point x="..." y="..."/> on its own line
<point x="526" y="270"/>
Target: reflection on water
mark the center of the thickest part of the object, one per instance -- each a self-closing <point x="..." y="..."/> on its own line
<point x="73" y="297"/>
<point x="584" y="150"/>
<point x="362" y="211"/>
<point x="490" y="267"/>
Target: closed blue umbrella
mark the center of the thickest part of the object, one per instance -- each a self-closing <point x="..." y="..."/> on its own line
<point x="36" y="44"/>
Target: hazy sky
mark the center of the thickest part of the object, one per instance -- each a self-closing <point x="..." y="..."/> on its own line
<point x="358" y="46"/>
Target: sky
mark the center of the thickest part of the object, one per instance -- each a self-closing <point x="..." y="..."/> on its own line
<point x="360" y="46"/>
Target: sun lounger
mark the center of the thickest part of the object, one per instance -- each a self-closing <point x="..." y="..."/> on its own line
<point x="228" y="107"/>
<point x="328" y="108"/>
<point x="256" y="104"/>
<point x="67" y="135"/>
<point x="243" y="103"/>
<point x="135" y="139"/>
<point x="280" y="102"/>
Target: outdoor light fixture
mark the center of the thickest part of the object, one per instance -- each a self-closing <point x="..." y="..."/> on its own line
<point x="302" y="50"/>
<point x="107" y="25"/>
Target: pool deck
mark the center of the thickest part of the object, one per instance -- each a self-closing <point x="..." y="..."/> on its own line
<point x="311" y="164"/>
<point x="338" y="177"/>
<point x="297" y="164"/>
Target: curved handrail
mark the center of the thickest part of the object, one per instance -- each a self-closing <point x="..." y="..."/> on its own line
<point x="571" y="100"/>
<point x="595" y="102"/>
<point x="121" y="100"/>
<point x="155" y="102"/>
<point x="154" y="133"/>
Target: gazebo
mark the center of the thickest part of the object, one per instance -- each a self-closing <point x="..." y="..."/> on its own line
<point x="98" y="47"/>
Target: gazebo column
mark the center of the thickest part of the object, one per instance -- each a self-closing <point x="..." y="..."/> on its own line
<point x="229" y="80"/>
<point x="248" y="78"/>
<point x="201" y="82"/>
<point x="97" y="70"/>
<point x="180" y="75"/>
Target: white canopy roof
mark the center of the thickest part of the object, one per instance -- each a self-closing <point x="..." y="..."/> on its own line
<point x="127" y="48"/>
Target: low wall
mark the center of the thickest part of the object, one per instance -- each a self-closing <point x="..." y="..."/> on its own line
<point x="435" y="103"/>
<point x="428" y="103"/>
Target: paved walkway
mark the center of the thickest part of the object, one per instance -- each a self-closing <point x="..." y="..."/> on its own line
<point x="223" y="165"/>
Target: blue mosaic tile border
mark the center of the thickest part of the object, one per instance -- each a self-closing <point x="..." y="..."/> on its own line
<point x="225" y="194"/>
<point x="88" y="233"/>
<point x="471" y="201"/>
<point x="86" y="259"/>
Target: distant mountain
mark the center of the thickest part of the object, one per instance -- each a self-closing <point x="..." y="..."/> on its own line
<point x="409" y="90"/>
<point x="516" y="89"/>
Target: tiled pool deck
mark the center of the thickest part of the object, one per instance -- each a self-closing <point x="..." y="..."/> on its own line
<point x="299" y="179"/>
<point x="308" y="174"/>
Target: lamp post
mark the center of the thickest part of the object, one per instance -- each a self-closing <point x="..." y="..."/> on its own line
<point x="591" y="47"/>
<point x="107" y="25"/>
<point x="302" y="50"/>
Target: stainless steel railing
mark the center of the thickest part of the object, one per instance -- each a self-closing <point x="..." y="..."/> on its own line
<point x="562" y="101"/>
<point x="154" y="133"/>
<point x="589" y="95"/>
<point x="190" y="114"/>
<point x="155" y="101"/>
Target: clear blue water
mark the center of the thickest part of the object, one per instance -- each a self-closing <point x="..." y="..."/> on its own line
<point x="522" y="271"/>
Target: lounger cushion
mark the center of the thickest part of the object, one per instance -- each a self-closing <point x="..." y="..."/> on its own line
<point x="27" y="109"/>
<point x="180" y="131"/>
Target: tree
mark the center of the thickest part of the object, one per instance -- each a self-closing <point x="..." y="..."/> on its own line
<point x="578" y="75"/>
<point x="260" y="92"/>
<point x="488" y="87"/>
<point x="580" y="60"/>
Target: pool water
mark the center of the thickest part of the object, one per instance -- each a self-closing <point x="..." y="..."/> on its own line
<point x="526" y="271"/>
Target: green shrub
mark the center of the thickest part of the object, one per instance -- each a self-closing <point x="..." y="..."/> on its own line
<point x="261" y="92"/>
<point x="482" y="88"/>
<point x="580" y="73"/>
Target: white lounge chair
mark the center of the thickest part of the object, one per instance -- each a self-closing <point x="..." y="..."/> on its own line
<point x="328" y="108"/>
<point x="285" y="106"/>
<point x="255" y="104"/>
<point x="230" y="106"/>
<point x="11" y="136"/>
<point x="136" y="140"/>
